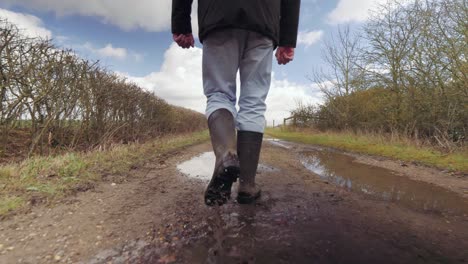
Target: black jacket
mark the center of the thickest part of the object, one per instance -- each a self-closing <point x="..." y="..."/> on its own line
<point x="277" y="19"/>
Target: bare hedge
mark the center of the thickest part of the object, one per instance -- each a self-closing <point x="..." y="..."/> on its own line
<point x="61" y="100"/>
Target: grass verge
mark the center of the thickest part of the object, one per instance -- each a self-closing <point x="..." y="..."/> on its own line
<point x="380" y="146"/>
<point x="44" y="179"/>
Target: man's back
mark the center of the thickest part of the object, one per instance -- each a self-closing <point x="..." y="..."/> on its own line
<point x="276" y="19"/>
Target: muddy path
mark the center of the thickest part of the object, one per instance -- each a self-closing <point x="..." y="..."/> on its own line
<point x="318" y="206"/>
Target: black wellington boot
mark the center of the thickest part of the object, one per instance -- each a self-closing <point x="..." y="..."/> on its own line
<point x="249" y="145"/>
<point x="226" y="171"/>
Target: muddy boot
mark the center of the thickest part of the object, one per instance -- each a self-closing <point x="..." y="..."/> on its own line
<point x="226" y="171"/>
<point x="248" y="149"/>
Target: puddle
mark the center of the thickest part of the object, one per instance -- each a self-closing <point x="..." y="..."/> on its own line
<point x="380" y="183"/>
<point x="201" y="167"/>
<point x="278" y="143"/>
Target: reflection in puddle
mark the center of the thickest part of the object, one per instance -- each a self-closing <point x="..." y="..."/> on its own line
<point x="278" y="143"/>
<point x="201" y="167"/>
<point x="341" y="170"/>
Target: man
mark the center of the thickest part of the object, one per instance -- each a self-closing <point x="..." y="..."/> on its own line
<point x="237" y="35"/>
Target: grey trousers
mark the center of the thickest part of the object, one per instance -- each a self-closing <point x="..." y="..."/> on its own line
<point x="225" y="53"/>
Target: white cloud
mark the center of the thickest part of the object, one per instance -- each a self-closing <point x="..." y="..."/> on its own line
<point x="150" y="15"/>
<point x="284" y="96"/>
<point x="308" y="38"/>
<point x="31" y="26"/>
<point x="352" y="11"/>
<point x="109" y="51"/>
<point x="179" y="82"/>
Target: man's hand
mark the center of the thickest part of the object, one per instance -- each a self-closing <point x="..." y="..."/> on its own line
<point x="284" y="55"/>
<point x="184" y="40"/>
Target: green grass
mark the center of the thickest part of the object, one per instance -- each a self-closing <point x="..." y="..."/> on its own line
<point x="380" y="146"/>
<point x="50" y="178"/>
<point x="8" y="204"/>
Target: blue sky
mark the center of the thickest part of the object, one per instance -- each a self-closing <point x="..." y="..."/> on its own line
<point x="133" y="38"/>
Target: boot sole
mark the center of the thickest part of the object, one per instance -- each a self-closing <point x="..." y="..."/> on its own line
<point x="247" y="198"/>
<point x="216" y="196"/>
<point x="230" y="174"/>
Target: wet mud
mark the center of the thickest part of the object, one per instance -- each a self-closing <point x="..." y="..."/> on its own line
<point x="318" y="206"/>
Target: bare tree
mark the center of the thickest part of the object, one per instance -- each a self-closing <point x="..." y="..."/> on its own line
<point x="343" y="73"/>
<point x="405" y="73"/>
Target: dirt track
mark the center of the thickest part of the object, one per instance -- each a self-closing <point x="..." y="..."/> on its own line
<point x="157" y="215"/>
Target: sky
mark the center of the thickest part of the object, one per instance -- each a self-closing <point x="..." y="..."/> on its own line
<point x="133" y="39"/>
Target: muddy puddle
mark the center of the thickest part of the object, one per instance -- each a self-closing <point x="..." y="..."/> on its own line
<point x="342" y="170"/>
<point x="201" y="167"/>
<point x="278" y="143"/>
